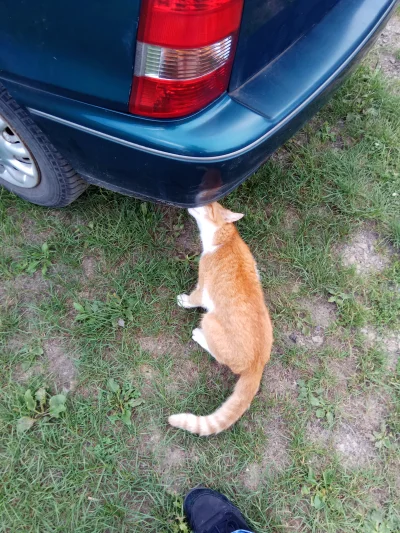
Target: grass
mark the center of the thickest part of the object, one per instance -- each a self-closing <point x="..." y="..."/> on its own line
<point x="96" y="283"/>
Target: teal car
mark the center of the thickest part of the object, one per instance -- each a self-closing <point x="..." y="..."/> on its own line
<point x="176" y="101"/>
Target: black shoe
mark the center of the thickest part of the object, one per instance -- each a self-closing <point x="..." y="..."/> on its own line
<point x="209" y="511"/>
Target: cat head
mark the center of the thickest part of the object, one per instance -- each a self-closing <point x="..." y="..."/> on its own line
<point x="214" y="213"/>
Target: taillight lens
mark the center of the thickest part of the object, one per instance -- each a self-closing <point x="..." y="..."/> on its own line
<point x="188" y="23"/>
<point x="184" y="55"/>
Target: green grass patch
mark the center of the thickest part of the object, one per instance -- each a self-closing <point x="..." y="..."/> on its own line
<point x="101" y="277"/>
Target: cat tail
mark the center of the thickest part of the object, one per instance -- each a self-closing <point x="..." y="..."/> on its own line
<point x="229" y="412"/>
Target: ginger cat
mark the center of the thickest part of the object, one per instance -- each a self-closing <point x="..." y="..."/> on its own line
<point x="236" y="330"/>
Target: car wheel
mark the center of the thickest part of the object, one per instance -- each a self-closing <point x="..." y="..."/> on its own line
<point x="30" y="166"/>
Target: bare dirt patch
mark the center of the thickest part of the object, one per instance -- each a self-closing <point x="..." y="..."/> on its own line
<point x="355" y="449"/>
<point x="343" y="371"/>
<point x="94" y="264"/>
<point x="291" y="219"/>
<point x="352" y="439"/>
<point x="314" y="340"/>
<point x="23" y="376"/>
<point x="317" y="434"/>
<point x="251" y="478"/>
<point x="60" y="365"/>
<point x="152" y="438"/>
<point x="363" y="253"/>
<point x="366" y="411"/>
<point x="188" y="242"/>
<point x="322" y="315"/>
<point x="171" y="467"/>
<point x="3" y="292"/>
<point x="31" y="233"/>
<point x="279" y="381"/>
<point x="148" y="441"/>
<point x="353" y="446"/>
<point x="387" y="47"/>
<point x="187" y="373"/>
<point x="56" y="363"/>
<point x="339" y="140"/>
<point x="185" y="370"/>
<point x="183" y="232"/>
<point x="162" y="345"/>
<point x="168" y="461"/>
<point x="89" y="266"/>
<point x="28" y="288"/>
<point x="389" y="342"/>
<point x="394" y="470"/>
<point x="149" y="376"/>
<point x="275" y="454"/>
<point x="281" y="157"/>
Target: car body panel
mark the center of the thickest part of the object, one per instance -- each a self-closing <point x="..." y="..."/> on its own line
<point x="201" y="158"/>
<point x="81" y="49"/>
<point x="268" y="28"/>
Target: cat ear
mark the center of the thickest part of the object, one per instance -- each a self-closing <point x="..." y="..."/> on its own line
<point x="230" y="216"/>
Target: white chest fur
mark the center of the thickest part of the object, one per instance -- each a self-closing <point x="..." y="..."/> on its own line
<point x="207" y="232"/>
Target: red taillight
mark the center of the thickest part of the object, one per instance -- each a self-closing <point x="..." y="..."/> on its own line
<point x="184" y="55"/>
<point x="188" y="23"/>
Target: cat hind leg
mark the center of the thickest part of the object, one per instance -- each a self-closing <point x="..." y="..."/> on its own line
<point x="219" y="342"/>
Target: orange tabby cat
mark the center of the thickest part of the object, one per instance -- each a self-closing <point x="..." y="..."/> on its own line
<point x="236" y="330"/>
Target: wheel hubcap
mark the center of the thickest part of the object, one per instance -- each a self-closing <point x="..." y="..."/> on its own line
<point x="17" y="166"/>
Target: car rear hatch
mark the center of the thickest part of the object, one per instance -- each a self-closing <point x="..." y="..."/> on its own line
<point x="298" y="68"/>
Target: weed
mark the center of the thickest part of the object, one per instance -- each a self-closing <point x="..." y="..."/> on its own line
<point x="314" y="397"/>
<point x="382" y="439"/>
<point x="326" y="133"/>
<point x="122" y="400"/>
<point x="41" y="407"/>
<point x="34" y="259"/>
<point x="379" y="522"/>
<point x="97" y="315"/>
<point x="320" y="489"/>
<point x="29" y="353"/>
<point x="178" y="521"/>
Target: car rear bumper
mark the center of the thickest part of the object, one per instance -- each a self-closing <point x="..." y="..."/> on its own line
<point x="199" y="159"/>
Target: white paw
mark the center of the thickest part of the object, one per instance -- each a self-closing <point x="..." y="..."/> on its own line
<point x="183" y="300"/>
<point x="198" y="335"/>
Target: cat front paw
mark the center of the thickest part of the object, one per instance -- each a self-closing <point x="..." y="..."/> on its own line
<point x="198" y="335"/>
<point x="183" y="301"/>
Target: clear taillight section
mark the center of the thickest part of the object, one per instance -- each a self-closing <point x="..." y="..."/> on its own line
<point x="175" y="64"/>
<point x="184" y="55"/>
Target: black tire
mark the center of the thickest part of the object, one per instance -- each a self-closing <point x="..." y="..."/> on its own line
<point x="59" y="184"/>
